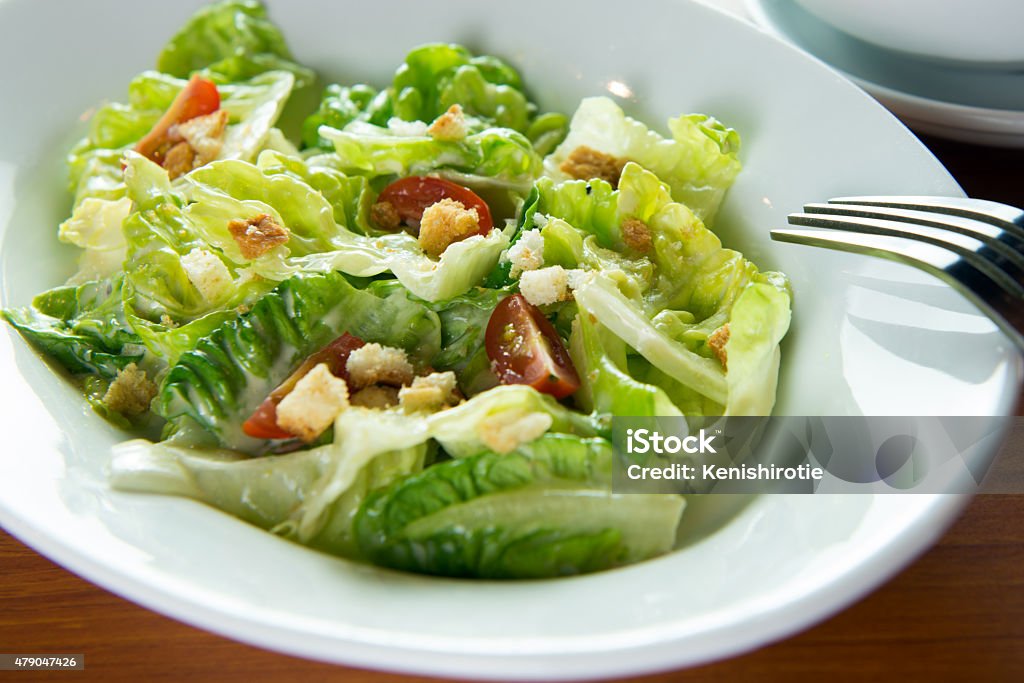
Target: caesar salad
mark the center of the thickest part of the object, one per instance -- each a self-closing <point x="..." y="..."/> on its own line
<point x="399" y="335"/>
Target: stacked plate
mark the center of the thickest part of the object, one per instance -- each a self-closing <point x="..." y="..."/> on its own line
<point x="957" y="77"/>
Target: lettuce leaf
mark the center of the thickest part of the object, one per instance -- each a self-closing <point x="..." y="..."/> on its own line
<point x="95" y="162"/>
<point x="232" y="39"/>
<point x="544" y="510"/>
<point x="502" y="156"/>
<point x="82" y="327"/>
<point x="95" y="226"/>
<point x="340" y="106"/>
<point x="223" y="380"/>
<point x="273" y="492"/>
<point x="698" y="163"/>
<point x="432" y="78"/>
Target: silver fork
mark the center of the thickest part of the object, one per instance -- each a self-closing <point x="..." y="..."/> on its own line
<point x="976" y="246"/>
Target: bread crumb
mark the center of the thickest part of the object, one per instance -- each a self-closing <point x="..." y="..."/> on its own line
<point x="636" y="235"/>
<point x="527" y="253"/>
<point x="585" y="163"/>
<point x="429" y="393"/>
<point x="545" y="286"/>
<point x="385" y="216"/>
<point x="204" y="134"/>
<point x="131" y="392"/>
<point x="375" y="364"/>
<point x="310" y="408"/>
<point x="207" y="273"/>
<point x="375" y="396"/>
<point x="444" y="223"/>
<point x="179" y="160"/>
<point x="256" y="236"/>
<point x="194" y="143"/>
<point x="717" y="341"/>
<point x="506" y="431"/>
<point x="449" y="126"/>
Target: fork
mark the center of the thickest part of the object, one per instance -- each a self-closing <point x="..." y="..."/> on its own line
<point x="974" y="245"/>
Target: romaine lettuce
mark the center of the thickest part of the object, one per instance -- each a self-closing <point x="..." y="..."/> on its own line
<point x="223" y="380"/>
<point x="544" y="510"/>
<point x="699" y="162"/>
<point x="232" y="39"/>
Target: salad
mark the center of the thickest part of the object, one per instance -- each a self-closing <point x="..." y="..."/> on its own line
<point x="398" y="332"/>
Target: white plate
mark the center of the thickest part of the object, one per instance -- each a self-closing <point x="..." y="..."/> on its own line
<point x="868" y="337"/>
<point x="983" y="106"/>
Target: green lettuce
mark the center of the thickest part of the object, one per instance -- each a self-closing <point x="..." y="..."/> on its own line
<point x="698" y="163"/>
<point x="95" y="226"/>
<point x="340" y="106"/>
<point x="275" y="492"/>
<point x="223" y="380"/>
<point x="82" y="327"/>
<point x="497" y="157"/>
<point x="95" y="163"/>
<point x="544" y="510"/>
<point x="432" y="78"/>
<point x="232" y="39"/>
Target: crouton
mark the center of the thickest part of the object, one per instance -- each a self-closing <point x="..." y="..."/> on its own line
<point x="445" y="223"/>
<point x="429" y="393"/>
<point x="310" y="408"/>
<point x="636" y="235"/>
<point x="204" y="134"/>
<point x="207" y="273"/>
<point x="131" y="392"/>
<point x="717" y="341"/>
<point x="504" y="432"/>
<point x="257" y="236"/>
<point x="585" y="163"/>
<point x="375" y="396"/>
<point x="385" y="216"/>
<point x="449" y="126"/>
<point x="527" y="253"/>
<point x="179" y="160"/>
<point x="545" y="286"/>
<point x="375" y="364"/>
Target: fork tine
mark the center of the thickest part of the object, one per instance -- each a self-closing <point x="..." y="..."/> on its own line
<point x="1007" y="272"/>
<point x="1001" y="215"/>
<point x="989" y="295"/>
<point x="1008" y="243"/>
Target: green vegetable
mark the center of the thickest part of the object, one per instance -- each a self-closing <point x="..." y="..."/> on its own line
<point x="699" y="162"/>
<point x="608" y="386"/>
<point x="232" y="39"/>
<point x="273" y="492"/>
<point x="498" y="157"/>
<point x="95" y="226"/>
<point x="340" y="106"/>
<point x="253" y="107"/>
<point x="82" y="327"/>
<point x="544" y="510"/>
<point x="223" y="380"/>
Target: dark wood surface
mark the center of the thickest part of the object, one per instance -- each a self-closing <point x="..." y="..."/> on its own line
<point x="956" y="614"/>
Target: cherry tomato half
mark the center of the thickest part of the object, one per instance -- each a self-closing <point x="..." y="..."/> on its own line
<point x="263" y="422"/>
<point x="199" y="97"/>
<point x="524" y="348"/>
<point x="411" y="195"/>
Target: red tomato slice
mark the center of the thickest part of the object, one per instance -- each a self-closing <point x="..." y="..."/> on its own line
<point x="199" y="97"/>
<point x="524" y="348"/>
<point x="262" y="424"/>
<point x="411" y="195"/>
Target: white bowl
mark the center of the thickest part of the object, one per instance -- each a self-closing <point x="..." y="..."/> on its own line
<point x="868" y="337"/>
<point x="982" y="32"/>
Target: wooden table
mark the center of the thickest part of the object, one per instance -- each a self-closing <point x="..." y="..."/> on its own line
<point x="955" y="614"/>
